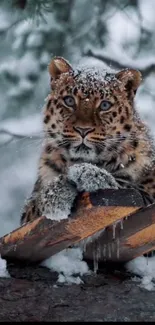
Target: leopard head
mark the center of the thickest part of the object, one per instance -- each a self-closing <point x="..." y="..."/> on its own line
<point x="90" y="113"/>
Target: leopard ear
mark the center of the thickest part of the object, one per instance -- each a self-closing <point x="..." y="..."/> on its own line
<point x="131" y="80"/>
<point x="58" y="66"/>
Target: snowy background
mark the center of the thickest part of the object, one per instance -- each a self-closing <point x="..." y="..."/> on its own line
<point x="119" y="33"/>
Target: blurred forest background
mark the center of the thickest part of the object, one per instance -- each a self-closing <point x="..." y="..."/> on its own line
<point x="117" y="33"/>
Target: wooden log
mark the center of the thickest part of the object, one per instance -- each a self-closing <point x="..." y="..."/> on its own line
<point x="132" y="236"/>
<point x="92" y="213"/>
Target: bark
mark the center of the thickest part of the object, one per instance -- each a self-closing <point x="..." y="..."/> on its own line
<point x="31" y="295"/>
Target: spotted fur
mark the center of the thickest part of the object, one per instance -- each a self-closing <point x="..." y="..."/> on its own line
<point x="79" y="130"/>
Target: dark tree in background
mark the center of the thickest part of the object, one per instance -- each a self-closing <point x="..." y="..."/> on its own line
<point x="117" y="33"/>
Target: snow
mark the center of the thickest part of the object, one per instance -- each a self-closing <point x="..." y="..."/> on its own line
<point x="26" y="126"/>
<point x="24" y="27"/>
<point x="147" y="9"/>
<point x="145" y="268"/>
<point x="130" y="30"/>
<point x="4" y="21"/>
<point x="35" y="40"/>
<point x="3" y="269"/>
<point x="58" y="215"/>
<point x="69" y="265"/>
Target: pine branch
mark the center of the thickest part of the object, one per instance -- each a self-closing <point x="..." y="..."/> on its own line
<point x="21" y="4"/>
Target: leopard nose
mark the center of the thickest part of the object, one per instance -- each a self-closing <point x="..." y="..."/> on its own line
<point x="83" y="131"/>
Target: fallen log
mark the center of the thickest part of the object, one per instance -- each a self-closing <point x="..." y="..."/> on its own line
<point x="31" y="296"/>
<point x="92" y="213"/>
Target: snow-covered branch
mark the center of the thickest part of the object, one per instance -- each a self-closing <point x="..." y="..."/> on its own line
<point x="15" y="135"/>
<point x="7" y="136"/>
<point x="145" y="67"/>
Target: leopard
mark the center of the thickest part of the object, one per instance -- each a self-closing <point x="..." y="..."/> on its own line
<point x="94" y="138"/>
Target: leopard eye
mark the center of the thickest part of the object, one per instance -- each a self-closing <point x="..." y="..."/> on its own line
<point x="105" y="105"/>
<point x="69" y="101"/>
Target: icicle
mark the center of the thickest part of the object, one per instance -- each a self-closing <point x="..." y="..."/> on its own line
<point x="95" y="265"/>
<point x="126" y="218"/>
<point x="121" y="223"/>
<point x="95" y="261"/>
<point x="152" y="253"/>
<point x="84" y="246"/>
<point x="15" y="247"/>
<point x="147" y="258"/>
<point x="112" y="247"/>
<point x="104" y="251"/>
<point x="114" y="230"/>
<point x="117" y="247"/>
<point x="98" y="252"/>
<point x="109" y="250"/>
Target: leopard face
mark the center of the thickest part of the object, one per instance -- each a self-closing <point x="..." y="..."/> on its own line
<point x="90" y="114"/>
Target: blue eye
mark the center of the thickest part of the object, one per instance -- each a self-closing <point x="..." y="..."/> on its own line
<point x="69" y="101"/>
<point x="105" y="105"/>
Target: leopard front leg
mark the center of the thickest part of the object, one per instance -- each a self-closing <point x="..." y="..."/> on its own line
<point x="90" y="178"/>
<point x="56" y="199"/>
<point x="53" y="200"/>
